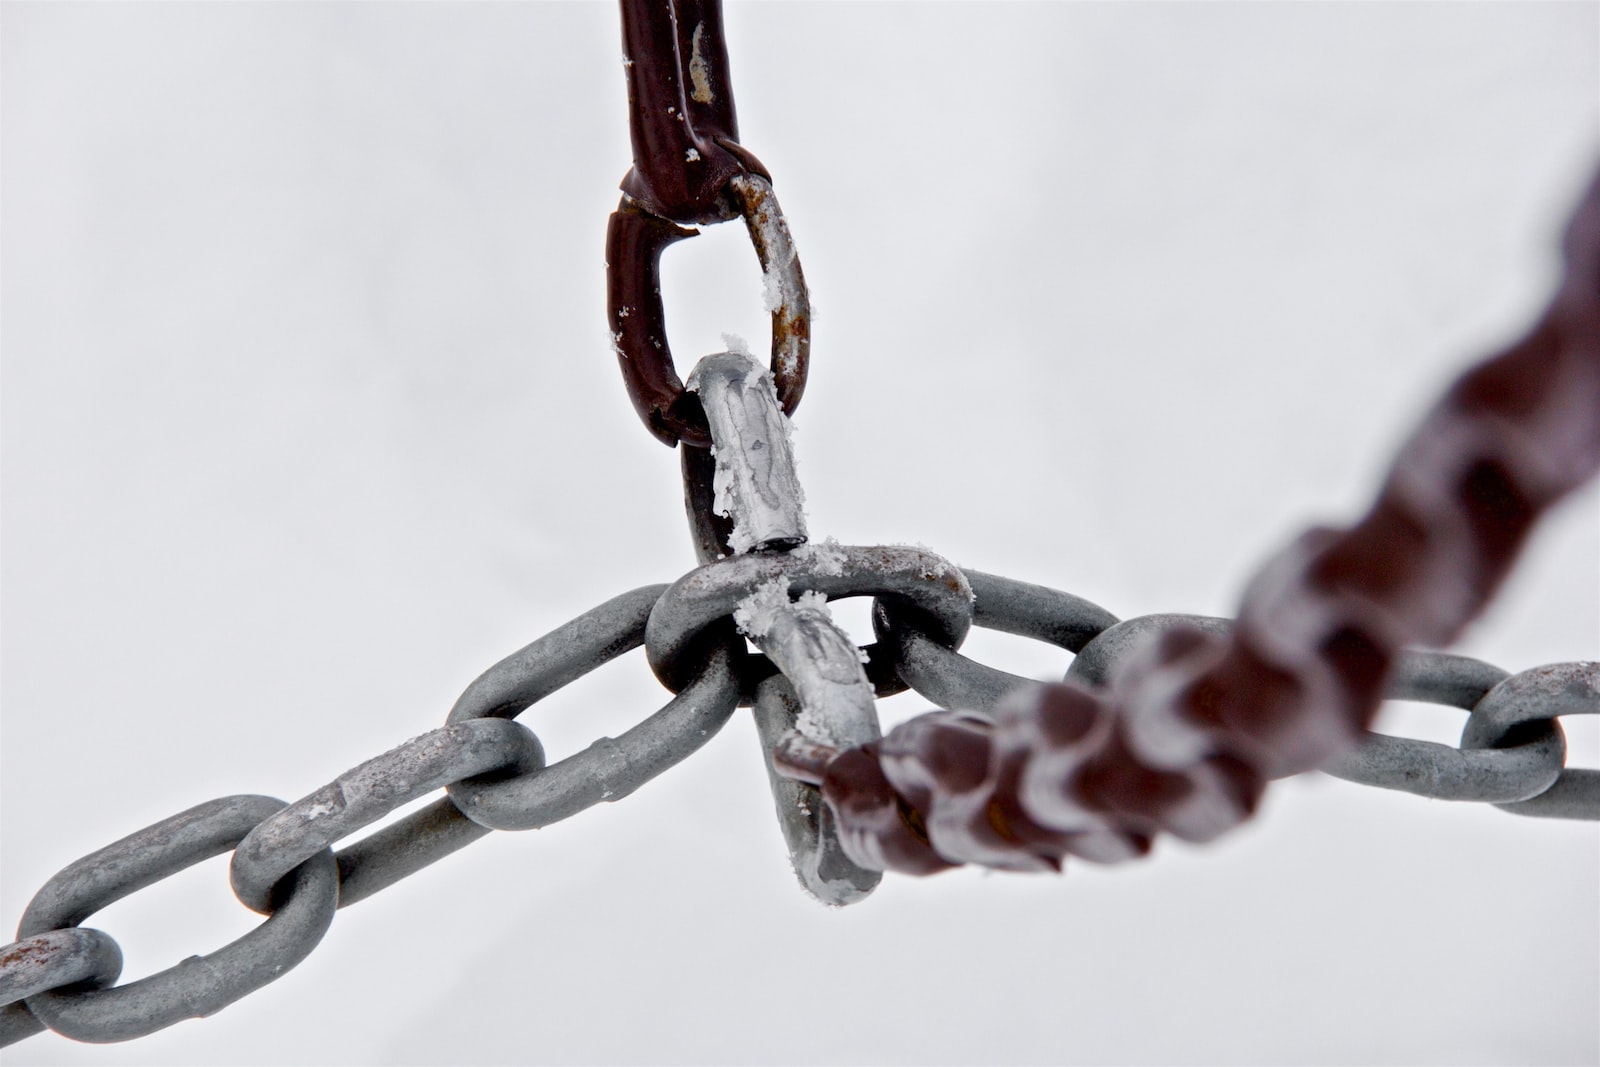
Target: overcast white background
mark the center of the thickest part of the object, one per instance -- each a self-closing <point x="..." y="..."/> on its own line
<point x="310" y="416"/>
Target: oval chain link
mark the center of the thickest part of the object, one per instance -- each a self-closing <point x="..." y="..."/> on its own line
<point x="199" y="985"/>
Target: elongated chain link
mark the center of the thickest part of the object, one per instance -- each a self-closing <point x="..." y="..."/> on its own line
<point x="689" y="168"/>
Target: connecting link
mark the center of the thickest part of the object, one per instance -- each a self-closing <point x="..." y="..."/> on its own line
<point x="821" y="689"/>
<point x="821" y="692"/>
<point x="755" y="483"/>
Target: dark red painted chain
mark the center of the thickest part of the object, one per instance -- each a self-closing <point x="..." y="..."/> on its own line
<point x="680" y="111"/>
<point x="686" y="156"/>
<point x="1190" y="728"/>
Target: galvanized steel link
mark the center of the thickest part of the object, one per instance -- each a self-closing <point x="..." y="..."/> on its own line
<point x="55" y="958"/>
<point x="1533" y="699"/>
<point x="698" y="600"/>
<point x="503" y="691"/>
<point x="365" y="794"/>
<point x="1494" y="774"/>
<point x="823" y="867"/>
<point x="610" y="768"/>
<point x="199" y="985"/>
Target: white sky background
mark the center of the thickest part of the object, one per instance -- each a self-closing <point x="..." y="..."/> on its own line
<point x="310" y="417"/>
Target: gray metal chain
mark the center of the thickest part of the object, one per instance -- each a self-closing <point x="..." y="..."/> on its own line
<point x="61" y="975"/>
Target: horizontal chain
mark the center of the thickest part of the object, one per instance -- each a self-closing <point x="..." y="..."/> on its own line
<point x="60" y="974"/>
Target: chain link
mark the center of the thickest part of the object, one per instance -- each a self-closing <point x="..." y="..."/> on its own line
<point x="690" y="168"/>
<point x="302" y="908"/>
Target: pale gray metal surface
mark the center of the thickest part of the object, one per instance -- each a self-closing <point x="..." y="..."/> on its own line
<point x="403" y="848"/>
<point x="823" y="692"/>
<point x="198" y="985"/>
<point x="367" y="793"/>
<point x="1522" y="701"/>
<point x="824" y="667"/>
<point x="55" y="958"/>
<point x="712" y="592"/>
<point x="1492" y="774"/>
<point x="755" y="483"/>
<point x="561" y="656"/>
<point x="610" y="768"/>
<point x="819" y="860"/>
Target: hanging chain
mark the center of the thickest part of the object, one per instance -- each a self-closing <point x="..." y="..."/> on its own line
<point x="690" y="168"/>
<point x="1163" y="723"/>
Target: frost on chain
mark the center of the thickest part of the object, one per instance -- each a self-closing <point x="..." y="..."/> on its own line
<point x="777" y="289"/>
<point x="836" y="700"/>
<point x="755" y="612"/>
<point x="754" y="483"/>
<point x="814" y="602"/>
<point x="758" y="377"/>
<point x="819" y="659"/>
<point x="724" y="501"/>
<point x="827" y="557"/>
<point x="942" y="569"/>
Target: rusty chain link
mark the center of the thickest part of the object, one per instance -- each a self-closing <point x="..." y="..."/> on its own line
<point x="690" y="168"/>
<point x="1162" y="723"/>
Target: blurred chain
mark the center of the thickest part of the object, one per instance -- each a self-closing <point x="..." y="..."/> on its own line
<point x="1183" y="735"/>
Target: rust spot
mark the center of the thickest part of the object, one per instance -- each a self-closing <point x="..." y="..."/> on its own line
<point x="23" y="952"/>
